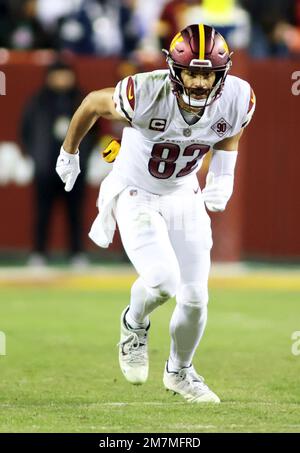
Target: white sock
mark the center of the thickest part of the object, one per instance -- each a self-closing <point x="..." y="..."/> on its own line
<point x="142" y="302"/>
<point x="133" y="323"/>
<point x="186" y="328"/>
<point x="173" y="367"/>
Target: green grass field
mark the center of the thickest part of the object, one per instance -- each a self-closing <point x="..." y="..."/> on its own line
<point x="61" y="373"/>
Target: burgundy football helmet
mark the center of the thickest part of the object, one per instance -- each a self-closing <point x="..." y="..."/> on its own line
<point x="198" y="47"/>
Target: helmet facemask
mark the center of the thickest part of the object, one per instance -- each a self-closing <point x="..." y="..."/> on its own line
<point x="183" y="93"/>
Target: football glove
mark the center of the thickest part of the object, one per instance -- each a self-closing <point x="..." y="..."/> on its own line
<point x="68" y="168"/>
<point x="111" y="151"/>
<point x="217" y="191"/>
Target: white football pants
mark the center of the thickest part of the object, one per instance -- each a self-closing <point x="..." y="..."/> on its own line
<point x="168" y="240"/>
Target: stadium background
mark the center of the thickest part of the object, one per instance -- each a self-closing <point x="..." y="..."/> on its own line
<point x="267" y="168"/>
<point x="252" y="227"/>
<point x="254" y="305"/>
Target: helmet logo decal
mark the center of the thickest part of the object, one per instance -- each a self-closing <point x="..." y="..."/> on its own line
<point x="177" y="38"/>
<point x="225" y="46"/>
<point x="201" y="42"/>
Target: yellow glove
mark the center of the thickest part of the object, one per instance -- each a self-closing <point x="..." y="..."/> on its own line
<point x="111" y="151"/>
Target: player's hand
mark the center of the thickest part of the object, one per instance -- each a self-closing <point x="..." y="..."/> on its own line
<point x="217" y="191"/>
<point x="68" y="168"/>
<point x="111" y="151"/>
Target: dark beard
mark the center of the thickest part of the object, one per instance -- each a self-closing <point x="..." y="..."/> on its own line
<point x="198" y="92"/>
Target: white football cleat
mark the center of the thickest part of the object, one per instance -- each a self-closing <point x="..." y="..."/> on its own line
<point x="190" y="385"/>
<point x="133" y="352"/>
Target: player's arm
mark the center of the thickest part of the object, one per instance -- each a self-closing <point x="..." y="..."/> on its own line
<point x="97" y="104"/>
<point x="229" y="144"/>
<point x="220" y="176"/>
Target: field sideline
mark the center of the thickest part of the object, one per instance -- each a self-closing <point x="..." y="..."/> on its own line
<point x="60" y="372"/>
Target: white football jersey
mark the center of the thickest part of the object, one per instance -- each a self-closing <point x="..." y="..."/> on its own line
<point x="160" y="152"/>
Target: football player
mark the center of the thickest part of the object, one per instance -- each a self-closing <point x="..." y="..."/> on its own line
<point x="174" y="117"/>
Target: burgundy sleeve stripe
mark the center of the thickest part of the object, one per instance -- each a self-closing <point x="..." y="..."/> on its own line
<point x="122" y="104"/>
<point x="130" y="92"/>
<point x="252" y="100"/>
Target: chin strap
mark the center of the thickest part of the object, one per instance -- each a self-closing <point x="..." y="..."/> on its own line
<point x="198" y="110"/>
<point x="188" y="107"/>
<point x="195" y="111"/>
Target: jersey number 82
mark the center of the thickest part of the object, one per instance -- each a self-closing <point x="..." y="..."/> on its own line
<point x="162" y="164"/>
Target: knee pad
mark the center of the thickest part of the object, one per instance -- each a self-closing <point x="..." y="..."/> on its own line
<point x="193" y="295"/>
<point x="162" y="281"/>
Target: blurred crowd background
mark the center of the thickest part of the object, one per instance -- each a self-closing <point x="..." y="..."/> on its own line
<point x="125" y="27"/>
<point x="54" y="52"/>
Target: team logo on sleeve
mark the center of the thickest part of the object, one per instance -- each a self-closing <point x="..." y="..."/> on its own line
<point x="221" y="127"/>
<point x="130" y="92"/>
<point x="158" y="124"/>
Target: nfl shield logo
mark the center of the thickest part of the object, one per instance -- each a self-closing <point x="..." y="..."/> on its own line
<point x="187" y="132"/>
